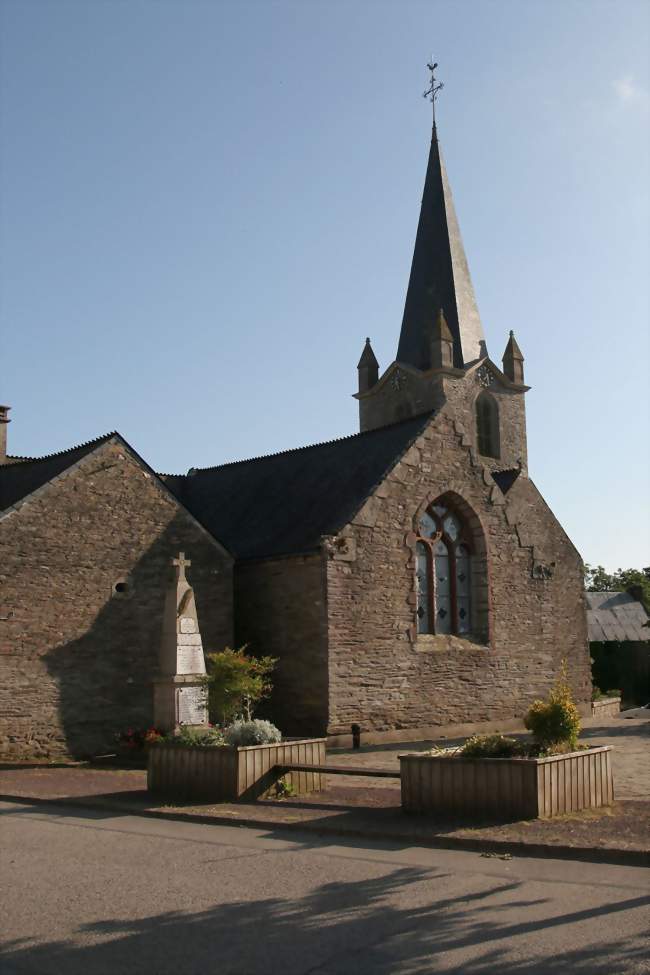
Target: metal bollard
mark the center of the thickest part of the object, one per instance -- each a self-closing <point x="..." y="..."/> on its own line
<point x="356" y="736"/>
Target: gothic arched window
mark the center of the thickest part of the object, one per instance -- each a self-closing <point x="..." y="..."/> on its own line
<point x="443" y="572"/>
<point x="487" y="425"/>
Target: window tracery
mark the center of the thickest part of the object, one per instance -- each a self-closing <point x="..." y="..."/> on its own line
<point x="443" y="572"/>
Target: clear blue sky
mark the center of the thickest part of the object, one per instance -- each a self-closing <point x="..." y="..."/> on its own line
<point x="207" y="206"/>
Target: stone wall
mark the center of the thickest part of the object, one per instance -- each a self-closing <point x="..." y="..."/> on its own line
<point x="606" y="707"/>
<point x="383" y="675"/>
<point x="280" y="612"/>
<point x="77" y="657"/>
<point x="404" y="391"/>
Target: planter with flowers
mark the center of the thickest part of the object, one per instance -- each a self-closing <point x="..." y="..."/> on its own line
<point x="243" y="762"/>
<point x="244" y="758"/>
<point x="491" y="775"/>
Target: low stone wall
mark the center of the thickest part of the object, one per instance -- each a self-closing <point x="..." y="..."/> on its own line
<point x="508" y="788"/>
<point x="605" y="707"/>
<point x="228" y="774"/>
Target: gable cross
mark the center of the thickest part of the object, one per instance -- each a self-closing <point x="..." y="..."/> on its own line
<point x="181" y="563"/>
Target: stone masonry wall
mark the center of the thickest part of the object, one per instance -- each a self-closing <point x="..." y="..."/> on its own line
<point x="382" y="675"/>
<point x="404" y="391"/>
<point x="280" y="612"/>
<point x="77" y="658"/>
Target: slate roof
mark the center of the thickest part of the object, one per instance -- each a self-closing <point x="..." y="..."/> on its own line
<point x="285" y="503"/>
<point x="23" y="477"/>
<point x="439" y="277"/>
<point x="616" y="616"/>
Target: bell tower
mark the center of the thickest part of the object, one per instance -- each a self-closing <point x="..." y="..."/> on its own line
<point x="442" y="356"/>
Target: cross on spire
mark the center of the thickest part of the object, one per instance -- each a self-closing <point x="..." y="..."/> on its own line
<point x="435" y="87"/>
<point x="181" y="563"/>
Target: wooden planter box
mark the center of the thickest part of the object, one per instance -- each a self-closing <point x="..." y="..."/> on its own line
<point x="227" y="773"/>
<point x="606" y="707"/>
<point x="508" y="788"/>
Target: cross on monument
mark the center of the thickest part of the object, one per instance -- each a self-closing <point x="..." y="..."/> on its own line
<point x="434" y="88"/>
<point x="181" y="562"/>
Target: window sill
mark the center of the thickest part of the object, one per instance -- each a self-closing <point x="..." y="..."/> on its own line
<point x="446" y="643"/>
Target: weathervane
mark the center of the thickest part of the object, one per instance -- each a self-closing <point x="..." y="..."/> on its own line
<point x="434" y="88"/>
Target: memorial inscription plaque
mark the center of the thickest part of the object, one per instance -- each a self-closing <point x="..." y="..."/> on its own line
<point x="189" y="659"/>
<point x="190" y="705"/>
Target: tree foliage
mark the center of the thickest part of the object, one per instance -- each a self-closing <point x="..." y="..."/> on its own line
<point x="636" y="581"/>
<point x="555" y="722"/>
<point x="236" y="683"/>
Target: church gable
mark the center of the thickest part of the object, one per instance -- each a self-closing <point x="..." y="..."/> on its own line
<point x="85" y="561"/>
<point x="437" y="536"/>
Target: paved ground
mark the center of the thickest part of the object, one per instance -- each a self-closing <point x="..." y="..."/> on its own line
<point x="94" y="894"/>
<point x="356" y="806"/>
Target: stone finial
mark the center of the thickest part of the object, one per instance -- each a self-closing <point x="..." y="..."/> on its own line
<point x="513" y="361"/>
<point x="442" y="343"/>
<point x="4" y="420"/>
<point x="368" y="368"/>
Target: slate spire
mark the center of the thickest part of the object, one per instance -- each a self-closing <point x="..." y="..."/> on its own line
<point x="439" y="276"/>
<point x="513" y="360"/>
<point x="368" y="368"/>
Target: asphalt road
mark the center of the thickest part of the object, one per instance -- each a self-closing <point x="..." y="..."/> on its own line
<point x="85" y="893"/>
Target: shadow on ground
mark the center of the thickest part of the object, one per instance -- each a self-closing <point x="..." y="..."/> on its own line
<point x="379" y="926"/>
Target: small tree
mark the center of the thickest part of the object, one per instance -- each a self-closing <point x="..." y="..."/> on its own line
<point x="555" y="722"/>
<point x="236" y="683"/>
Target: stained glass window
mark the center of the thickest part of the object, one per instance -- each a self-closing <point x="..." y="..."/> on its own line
<point x="428" y="525"/>
<point x="443" y="573"/>
<point x="423" y="588"/>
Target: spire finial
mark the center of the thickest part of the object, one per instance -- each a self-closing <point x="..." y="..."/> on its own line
<point x="434" y="88"/>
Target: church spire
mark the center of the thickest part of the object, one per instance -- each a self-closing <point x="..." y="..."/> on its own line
<point x="439" y="272"/>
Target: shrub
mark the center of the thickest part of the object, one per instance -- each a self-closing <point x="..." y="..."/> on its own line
<point x="251" y="733"/>
<point x="491" y="746"/>
<point x="555" y="722"/>
<point x="236" y="683"/>
<point x="188" y="737"/>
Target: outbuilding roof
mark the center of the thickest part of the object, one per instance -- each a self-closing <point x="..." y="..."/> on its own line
<point x="284" y="503"/>
<point x="616" y="616"/>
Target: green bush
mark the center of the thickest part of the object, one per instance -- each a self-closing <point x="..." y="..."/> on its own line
<point x="491" y="746"/>
<point x="236" y="683"/>
<point x="189" y="737"/>
<point x="251" y="733"/>
<point x="555" y="722"/>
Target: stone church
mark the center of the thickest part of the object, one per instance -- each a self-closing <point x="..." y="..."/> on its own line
<point x="409" y="577"/>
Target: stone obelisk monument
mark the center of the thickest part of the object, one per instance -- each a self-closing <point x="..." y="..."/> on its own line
<point x="180" y="696"/>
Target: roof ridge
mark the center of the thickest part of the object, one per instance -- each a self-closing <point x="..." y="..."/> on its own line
<point x="15" y="461"/>
<point x="312" y="446"/>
